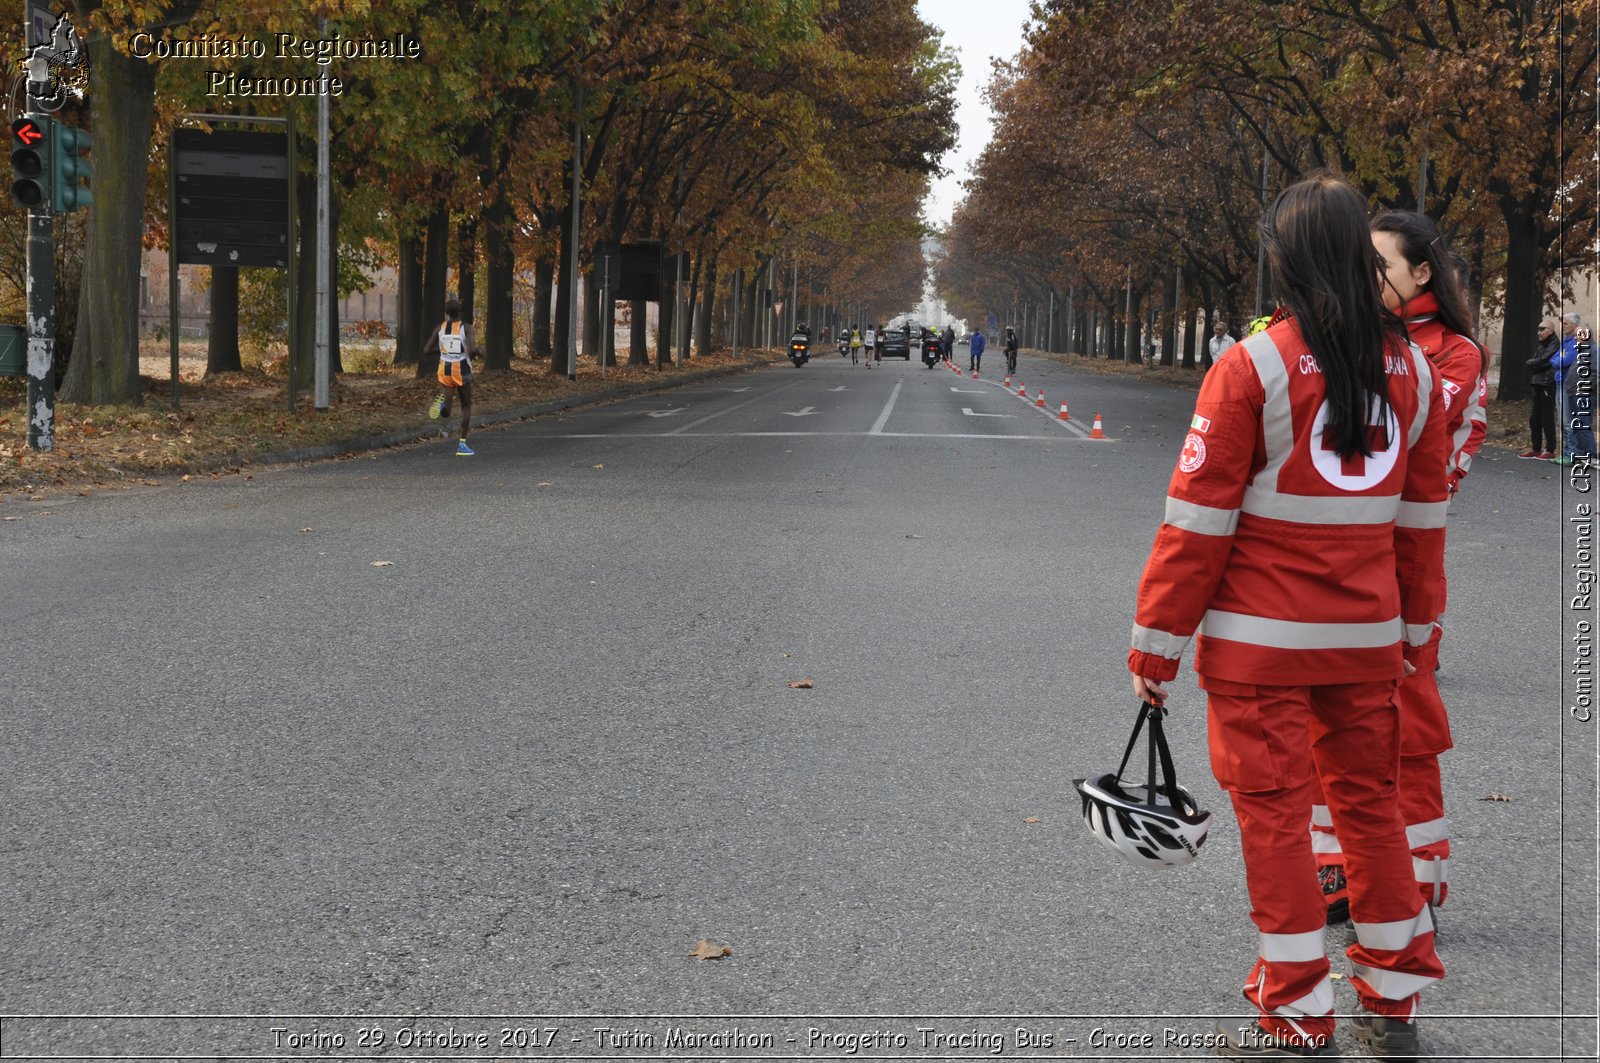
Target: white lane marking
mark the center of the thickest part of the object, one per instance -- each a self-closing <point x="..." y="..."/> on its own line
<point x="969" y="391"/>
<point x="841" y="387"/>
<point x="736" y="406"/>
<point x="877" y="427"/>
<point x="968" y="411"/>
<point x="664" y="413"/>
<point x="807" y="412"/>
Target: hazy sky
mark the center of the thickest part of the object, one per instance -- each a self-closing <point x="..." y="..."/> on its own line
<point x="980" y="30"/>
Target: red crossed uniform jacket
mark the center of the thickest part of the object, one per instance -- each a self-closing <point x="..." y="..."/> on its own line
<point x="1460" y="365"/>
<point x="1297" y="567"/>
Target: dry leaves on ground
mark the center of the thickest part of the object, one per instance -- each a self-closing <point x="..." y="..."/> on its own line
<point x="383" y="564"/>
<point x="1495" y="795"/>
<point x="704" y="949"/>
<point x="800" y="684"/>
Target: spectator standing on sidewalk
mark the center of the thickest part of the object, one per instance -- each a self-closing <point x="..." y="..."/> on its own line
<point x="1575" y="390"/>
<point x="1542" y="378"/>
<point x="1218" y="344"/>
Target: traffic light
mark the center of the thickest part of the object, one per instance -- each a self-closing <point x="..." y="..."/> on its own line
<point x="68" y="167"/>
<point x="30" y="161"/>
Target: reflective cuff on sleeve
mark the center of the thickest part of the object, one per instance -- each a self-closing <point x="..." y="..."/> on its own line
<point x="1422" y="514"/>
<point x="1152" y="666"/>
<point x="1418" y="634"/>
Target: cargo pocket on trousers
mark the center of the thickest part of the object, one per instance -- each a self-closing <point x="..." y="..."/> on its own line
<point x="1248" y="754"/>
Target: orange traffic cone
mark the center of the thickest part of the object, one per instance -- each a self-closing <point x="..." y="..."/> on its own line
<point x="1062" y="416"/>
<point x="1008" y="381"/>
<point x="1040" y="403"/>
<point x="1022" y="389"/>
<point x="1097" y="432"/>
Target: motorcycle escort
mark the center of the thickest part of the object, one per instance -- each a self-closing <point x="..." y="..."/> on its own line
<point x="932" y="349"/>
<point x="800" y="346"/>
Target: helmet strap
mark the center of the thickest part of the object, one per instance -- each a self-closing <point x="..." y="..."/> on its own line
<point x="1158" y="751"/>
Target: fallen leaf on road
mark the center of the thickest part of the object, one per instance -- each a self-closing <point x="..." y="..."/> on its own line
<point x="1033" y="819"/>
<point x="599" y="466"/>
<point x="705" y="950"/>
<point x="383" y="564"/>
<point x="1335" y="974"/>
<point x="13" y="518"/>
<point x="913" y="536"/>
<point x="304" y="530"/>
<point x="544" y="483"/>
<point x="185" y="477"/>
<point x="1495" y="795"/>
<point x="788" y="655"/>
<point x="800" y="684"/>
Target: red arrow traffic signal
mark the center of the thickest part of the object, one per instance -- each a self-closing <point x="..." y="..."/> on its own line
<point x="27" y="132"/>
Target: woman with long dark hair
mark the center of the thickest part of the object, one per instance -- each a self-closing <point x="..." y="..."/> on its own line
<point x="1421" y="284"/>
<point x="1304" y="528"/>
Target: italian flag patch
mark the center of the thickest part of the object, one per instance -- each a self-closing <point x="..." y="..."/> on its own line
<point x="1200" y="424"/>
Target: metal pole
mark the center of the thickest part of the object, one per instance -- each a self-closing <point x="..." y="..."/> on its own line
<point x="794" y="293"/>
<point x="572" y="250"/>
<point x="1050" y="326"/>
<point x="41" y="326"/>
<point x="320" y="382"/>
<point x="608" y="313"/>
<point x="173" y="320"/>
<point x="295" y="354"/>
<point x="738" y="287"/>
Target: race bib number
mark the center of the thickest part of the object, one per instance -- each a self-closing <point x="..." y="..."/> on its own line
<point x="452" y="345"/>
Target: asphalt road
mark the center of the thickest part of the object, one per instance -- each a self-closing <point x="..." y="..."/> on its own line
<point x="525" y="764"/>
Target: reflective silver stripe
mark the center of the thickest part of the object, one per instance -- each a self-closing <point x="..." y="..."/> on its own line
<point x="1325" y="841"/>
<point x="1420" y="834"/>
<point x="1430" y="871"/>
<point x="1424" y="394"/>
<point x="1320" y="816"/>
<point x="1321" y="509"/>
<point x="1314" y="1004"/>
<point x="1161" y="643"/>
<point x="1202" y="520"/>
<point x="1422" y="514"/>
<point x="1418" y="634"/>
<point x="1296" y="635"/>
<point x="1392" y="985"/>
<point x="1277" y="417"/>
<point x="1392" y="937"/>
<point x="1293" y="948"/>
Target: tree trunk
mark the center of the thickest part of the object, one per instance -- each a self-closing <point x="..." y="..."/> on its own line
<point x="1187" y="310"/>
<point x="408" y="311"/>
<point x="104" y="367"/>
<point x="305" y="329"/>
<point x="335" y="363"/>
<point x="544" y="282"/>
<point x="596" y="334"/>
<point x="1169" y="322"/>
<point x="702" y="339"/>
<point x="435" y="274"/>
<point x="638" y="338"/>
<point x="560" y="362"/>
<point x="466" y="266"/>
<point x="1523" y="302"/>
<point x="222" y="345"/>
<point x="500" y="270"/>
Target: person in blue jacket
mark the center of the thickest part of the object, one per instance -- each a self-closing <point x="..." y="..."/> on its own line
<point x="977" y="351"/>
<point x="1574" y="366"/>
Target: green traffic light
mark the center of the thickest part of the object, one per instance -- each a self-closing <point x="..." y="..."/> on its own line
<point x="68" y="168"/>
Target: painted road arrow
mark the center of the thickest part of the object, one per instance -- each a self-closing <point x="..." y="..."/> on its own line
<point x="666" y="413"/>
<point x="808" y="411"/>
<point x="841" y="387"/>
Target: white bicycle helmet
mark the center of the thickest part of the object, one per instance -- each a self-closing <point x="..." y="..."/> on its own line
<point x="1155" y="826"/>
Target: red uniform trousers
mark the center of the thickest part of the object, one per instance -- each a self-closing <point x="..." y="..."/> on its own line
<point x="1424" y="734"/>
<point x="1268" y="745"/>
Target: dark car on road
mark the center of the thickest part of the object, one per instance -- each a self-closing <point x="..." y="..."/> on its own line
<point x="895" y="344"/>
